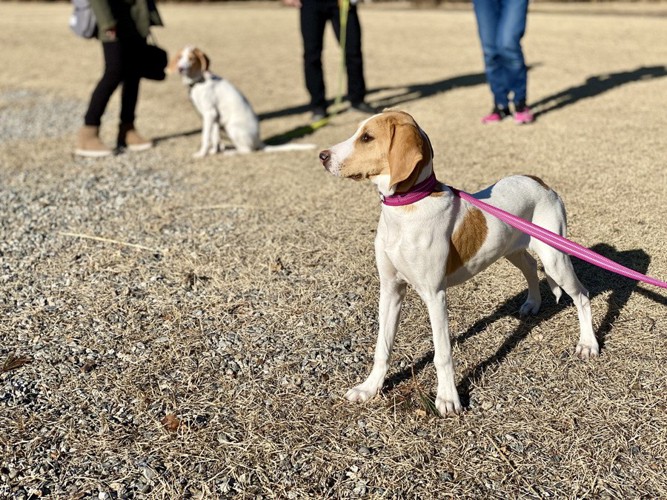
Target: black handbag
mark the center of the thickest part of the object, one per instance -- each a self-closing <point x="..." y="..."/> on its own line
<point x="155" y="61"/>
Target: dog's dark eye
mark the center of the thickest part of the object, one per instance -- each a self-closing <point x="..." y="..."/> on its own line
<point x="366" y="137"/>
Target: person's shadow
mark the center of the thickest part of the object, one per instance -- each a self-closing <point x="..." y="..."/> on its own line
<point x="404" y="93"/>
<point x="594" y="279"/>
<point x="416" y="91"/>
<point x="594" y="86"/>
<point x="401" y="94"/>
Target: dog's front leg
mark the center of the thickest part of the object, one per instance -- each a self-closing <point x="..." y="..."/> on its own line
<point x="392" y="293"/>
<point x="208" y="120"/>
<point x="215" y="138"/>
<point x="447" y="399"/>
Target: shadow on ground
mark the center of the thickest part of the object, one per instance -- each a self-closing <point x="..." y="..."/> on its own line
<point x="406" y="93"/>
<point x="596" y="280"/>
<point x="176" y="135"/>
<point x="594" y="86"/>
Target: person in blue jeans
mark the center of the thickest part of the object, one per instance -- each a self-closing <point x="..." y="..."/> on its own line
<point x="501" y="25"/>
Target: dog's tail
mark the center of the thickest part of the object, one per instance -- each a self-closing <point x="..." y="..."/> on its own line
<point x="288" y="147"/>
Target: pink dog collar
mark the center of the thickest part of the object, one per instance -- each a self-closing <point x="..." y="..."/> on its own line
<point x="418" y="192"/>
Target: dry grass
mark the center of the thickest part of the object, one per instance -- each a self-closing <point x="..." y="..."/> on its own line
<point x="175" y="328"/>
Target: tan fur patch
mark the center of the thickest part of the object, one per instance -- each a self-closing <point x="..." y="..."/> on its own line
<point x="409" y="152"/>
<point x="467" y="239"/>
<point x="197" y="56"/>
<point x="539" y="181"/>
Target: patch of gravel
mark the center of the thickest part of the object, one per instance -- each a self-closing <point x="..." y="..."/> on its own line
<point x="172" y="328"/>
<point x="28" y="114"/>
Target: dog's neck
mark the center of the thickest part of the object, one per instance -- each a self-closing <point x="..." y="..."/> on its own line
<point x="201" y="77"/>
<point x="389" y="192"/>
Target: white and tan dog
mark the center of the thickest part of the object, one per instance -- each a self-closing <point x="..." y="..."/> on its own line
<point x="220" y="103"/>
<point x="441" y="241"/>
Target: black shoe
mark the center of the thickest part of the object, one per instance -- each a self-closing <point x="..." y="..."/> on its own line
<point x="364" y="107"/>
<point x="318" y="114"/>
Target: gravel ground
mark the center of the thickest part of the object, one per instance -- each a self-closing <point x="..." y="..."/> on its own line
<point x="180" y="328"/>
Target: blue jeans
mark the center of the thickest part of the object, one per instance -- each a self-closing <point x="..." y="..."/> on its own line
<point x="501" y="25"/>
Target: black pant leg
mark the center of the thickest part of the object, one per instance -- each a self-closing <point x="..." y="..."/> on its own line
<point x="133" y="52"/>
<point x="313" y="22"/>
<point x="111" y="78"/>
<point x="356" y="84"/>
<point x="122" y="64"/>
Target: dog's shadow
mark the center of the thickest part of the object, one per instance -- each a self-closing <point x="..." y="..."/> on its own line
<point x="594" y="279"/>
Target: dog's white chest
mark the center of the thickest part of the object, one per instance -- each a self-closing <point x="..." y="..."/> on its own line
<point x="415" y="250"/>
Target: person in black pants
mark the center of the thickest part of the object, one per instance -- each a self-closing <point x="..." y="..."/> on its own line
<point x="314" y="16"/>
<point x="122" y="27"/>
<point x="121" y="65"/>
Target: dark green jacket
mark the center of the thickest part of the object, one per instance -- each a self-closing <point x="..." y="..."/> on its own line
<point x="131" y="18"/>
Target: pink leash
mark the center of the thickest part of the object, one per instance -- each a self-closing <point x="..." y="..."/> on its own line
<point x="557" y="241"/>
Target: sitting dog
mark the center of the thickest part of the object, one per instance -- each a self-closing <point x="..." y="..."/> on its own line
<point x="432" y="239"/>
<point x="221" y="104"/>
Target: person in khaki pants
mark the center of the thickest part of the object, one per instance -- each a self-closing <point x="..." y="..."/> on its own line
<point x="122" y="27"/>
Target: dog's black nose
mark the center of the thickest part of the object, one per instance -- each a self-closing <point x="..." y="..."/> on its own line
<point x="325" y="155"/>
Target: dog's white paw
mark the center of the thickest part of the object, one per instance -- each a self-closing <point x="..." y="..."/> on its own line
<point x="360" y="394"/>
<point x="199" y="154"/>
<point x="214" y="150"/>
<point x="448" y="406"/>
<point x="585" y="351"/>
<point x="529" y="308"/>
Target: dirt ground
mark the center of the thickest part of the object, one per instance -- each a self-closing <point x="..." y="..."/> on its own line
<point x="181" y="328"/>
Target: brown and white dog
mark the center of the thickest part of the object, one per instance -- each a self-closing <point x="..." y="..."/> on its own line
<point x="220" y="103"/>
<point x="442" y="240"/>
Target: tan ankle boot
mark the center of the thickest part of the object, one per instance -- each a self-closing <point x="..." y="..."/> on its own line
<point x="88" y="143"/>
<point x="131" y="139"/>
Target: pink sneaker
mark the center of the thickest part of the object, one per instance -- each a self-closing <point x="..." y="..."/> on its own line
<point x="496" y="115"/>
<point x="523" y="115"/>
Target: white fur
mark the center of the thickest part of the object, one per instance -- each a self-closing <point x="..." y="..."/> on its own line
<point x="412" y="247"/>
<point x="220" y="103"/>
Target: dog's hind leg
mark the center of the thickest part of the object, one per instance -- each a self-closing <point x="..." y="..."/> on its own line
<point x="558" y="267"/>
<point x="243" y="141"/>
<point x="528" y="266"/>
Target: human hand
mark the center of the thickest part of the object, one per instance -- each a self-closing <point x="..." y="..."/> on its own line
<point x="111" y="34"/>
<point x="292" y="3"/>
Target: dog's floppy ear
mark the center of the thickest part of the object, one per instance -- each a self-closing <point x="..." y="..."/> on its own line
<point x="409" y="151"/>
<point x="204" y="61"/>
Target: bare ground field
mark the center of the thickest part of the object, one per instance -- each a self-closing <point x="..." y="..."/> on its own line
<point x="180" y="328"/>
